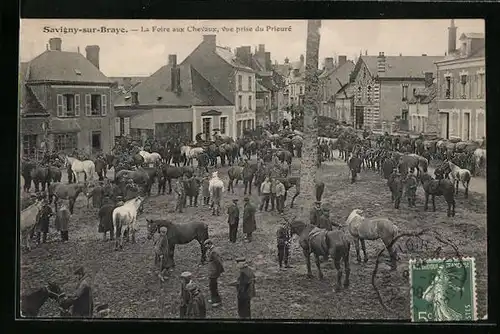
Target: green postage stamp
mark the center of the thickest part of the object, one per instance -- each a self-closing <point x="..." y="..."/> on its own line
<point x="443" y="289"/>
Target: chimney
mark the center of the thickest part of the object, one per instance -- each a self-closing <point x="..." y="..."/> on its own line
<point x="380" y="63"/>
<point x="172" y="60"/>
<point x="244" y="55"/>
<point x="329" y="63"/>
<point x="424" y="54"/>
<point x="262" y="48"/>
<point x="210" y="40"/>
<point x="342" y="60"/>
<point x="452" y="37"/>
<point x="429" y="79"/>
<point x="78" y="49"/>
<point x="268" y="63"/>
<point x="302" y="59"/>
<point x="287" y="60"/>
<point x="135" y="98"/>
<point x="55" y="44"/>
<point x="93" y="54"/>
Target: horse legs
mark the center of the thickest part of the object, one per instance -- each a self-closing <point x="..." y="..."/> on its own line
<point x="456" y="186"/>
<point x="245" y="184"/>
<point x="433" y="203"/>
<point x="71" y="205"/>
<point x="356" y="246"/>
<point x="339" y="274"/>
<point x="308" y="262"/>
<point x="318" y="265"/>
<point x="426" y="201"/>
<point x="293" y="198"/>
<point x="132" y="232"/>
<point x="363" y="248"/>
<point x="203" y="251"/>
<point x="347" y="267"/>
<point x="466" y="186"/>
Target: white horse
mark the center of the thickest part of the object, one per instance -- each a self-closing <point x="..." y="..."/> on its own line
<point x="28" y="222"/>
<point x="215" y="188"/>
<point x="458" y="175"/>
<point x="150" y="158"/>
<point x="362" y="229"/>
<point x="86" y="167"/>
<point x="480" y="158"/>
<point x="125" y="219"/>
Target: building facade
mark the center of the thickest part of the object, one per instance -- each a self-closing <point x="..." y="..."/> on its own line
<point x="66" y="102"/>
<point x="462" y="87"/>
<point x="332" y="79"/>
<point x="423" y="110"/>
<point x="381" y="88"/>
<point x="344" y="104"/>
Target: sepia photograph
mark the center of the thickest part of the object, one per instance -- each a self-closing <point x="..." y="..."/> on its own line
<point x="252" y="170"/>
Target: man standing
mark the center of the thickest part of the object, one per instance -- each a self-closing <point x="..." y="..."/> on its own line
<point x="181" y="194"/>
<point x="196" y="308"/>
<point x="245" y="286"/>
<point x="249" y="224"/>
<point x="233" y="220"/>
<point x="43" y="218"/>
<point x="411" y="189"/>
<point x="82" y="300"/>
<point x="215" y="269"/>
<point x="283" y="236"/>
<point x="273" y="193"/>
<point x="184" y="296"/>
<point x="315" y="213"/>
<point x="280" y="196"/>
<point x="204" y="189"/>
<point x="161" y="250"/>
<point x="62" y="221"/>
<point x="265" y="190"/>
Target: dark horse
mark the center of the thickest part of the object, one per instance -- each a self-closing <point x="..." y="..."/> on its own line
<point x="31" y="303"/>
<point x="323" y="243"/>
<point x="179" y="234"/>
<point x="435" y="188"/>
<point x="355" y="167"/>
<point x="101" y="168"/>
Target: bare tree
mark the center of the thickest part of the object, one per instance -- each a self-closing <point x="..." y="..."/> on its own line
<point x="311" y="104"/>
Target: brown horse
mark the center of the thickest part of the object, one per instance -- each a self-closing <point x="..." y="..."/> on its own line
<point x="235" y="174"/>
<point x="323" y="243"/>
<point x="435" y="188"/>
<point x="66" y="191"/>
<point x="32" y="302"/>
<point x="179" y="234"/>
<point x="101" y="168"/>
<point x="289" y="182"/>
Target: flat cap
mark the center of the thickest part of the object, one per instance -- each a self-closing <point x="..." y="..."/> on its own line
<point x="186" y="274"/>
<point x="235" y="200"/>
<point x="246" y="199"/>
<point x="241" y="259"/>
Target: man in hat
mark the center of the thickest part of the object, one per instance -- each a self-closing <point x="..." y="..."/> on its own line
<point x="249" y="224"/>
<point x="411" y="189"/>
<point x="245" y="286"/>
<point x="205" y="183"/>
<point x="161" y="250"/>
<point x="82" y="300"/>
<point x="280" y="196"/>
<point x="62" y="221"/>
<point x="284" y="237"/>
<point x="181" y="194"/>
<point x="196" y="307"/>
<point x="233" y="219"/>
<point x="265" y="190"/>
<point x="315" y="213"/>
<point x="43" y="218"/>
<point x="215" y="269"/>
<point x="184" y="296"/>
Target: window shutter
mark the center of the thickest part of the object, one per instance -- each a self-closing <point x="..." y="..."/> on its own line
<point x="87" y="105"/>
<point x="117" y="127"/>
<point x="127" y="125"/>
<point x="77" y="104"/>
<point x="104" y="105"/>
<point x="60" y="104"/>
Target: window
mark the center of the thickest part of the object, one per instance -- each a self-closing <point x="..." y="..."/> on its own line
<point x="65" y="141"/>
<point x="206" y="128"/>
<point x="448" y="87"/>
<point x="240" y="82"/>
<point x="96" y="141"/>
<point x="252" y="124"/>
<point x="29" y="145"/>
<point x="223" y="125"/>
<point x="240" y="102"/>
<point x="238" y="128"/>
<point x="250" y="83"/>
<point x="405" y="92"/>
<point x="250" y="102"/>
<point x="369" y="93"/>
<point x="481" y="86"/>
<point x="95" y="105"/>
<point x="301" y="90"/>
<point x="463" y="83"/>
<point x="68" y="105"/>
<point x="122" y="126"/>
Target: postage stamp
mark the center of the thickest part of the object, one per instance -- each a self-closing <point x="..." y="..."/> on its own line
<point x="443" y="289"/>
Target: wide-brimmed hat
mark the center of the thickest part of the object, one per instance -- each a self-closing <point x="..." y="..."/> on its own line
<point x="186" y="274"/>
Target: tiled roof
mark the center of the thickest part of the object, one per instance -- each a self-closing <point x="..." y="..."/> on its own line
<point x="340" y="73"/>
<point x="231" y="59"/>
<point x="403" y="66"/>
<point x="473" y="35"/>
<point x="260" y="88"/>
<point x="424" y="95"/>
<point x="283" y="69"/>
<point x="156" y="90"/>
<point x="64" y="66"/>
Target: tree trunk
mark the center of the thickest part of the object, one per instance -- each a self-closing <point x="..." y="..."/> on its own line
<point x="310" y="129"/>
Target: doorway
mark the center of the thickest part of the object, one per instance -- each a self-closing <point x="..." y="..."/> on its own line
<point x="466" y="126"/>
<point x="96" y="142"/>
<point x="444" y="119"/>
<point x="360" y="117"/>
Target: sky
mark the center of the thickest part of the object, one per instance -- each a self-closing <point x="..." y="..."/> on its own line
<point x="127" y="49"/>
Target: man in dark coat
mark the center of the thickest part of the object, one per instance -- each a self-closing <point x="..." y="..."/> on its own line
<point x="315" y="213"/>
<point x="43" y="218"/>
<point x="283" y="238"/>
<point x="245" y="286"/>
<point x="97" y="194"/>
<point x="181" y="194"/>
<point x="184" y="295"/>
<point x="215" y="269"/>
<point x="196" y="308"/>
<point x="62" y="221"/>
<point x="233" y="219"/>
<point x="411" y="189"/>
<point x="324" y="220"/>
<point x="82" y="300"/>
<point x="106" y="220"/>
<point x="249" y="224"/>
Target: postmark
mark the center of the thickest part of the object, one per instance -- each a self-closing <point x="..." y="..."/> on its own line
<point x="443" y="289"/>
